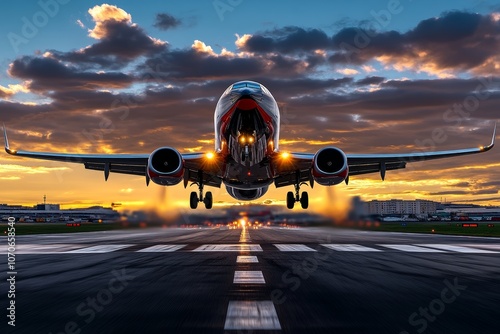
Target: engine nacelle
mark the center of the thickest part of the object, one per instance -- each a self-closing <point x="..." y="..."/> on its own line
<point x="246" y="194"/>
<point x="330" y="166"/>
<point x="165" y="166"/>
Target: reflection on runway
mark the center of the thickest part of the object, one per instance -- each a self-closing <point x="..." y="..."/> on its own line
<point x="307" y="280"/>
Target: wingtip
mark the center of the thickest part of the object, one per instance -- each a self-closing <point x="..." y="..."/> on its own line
<point x="7" y="147"/>
<point x="494" y="136"/>
<point x="6" y="140"/>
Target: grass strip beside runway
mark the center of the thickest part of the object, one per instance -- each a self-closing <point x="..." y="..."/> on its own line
<point x="439" y="228"/>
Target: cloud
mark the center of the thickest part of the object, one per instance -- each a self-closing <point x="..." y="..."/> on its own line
<point x="19" y="169"/>
<point x="119" y="40"/>
<point x="10" y="90"/>
<point x="441" y="46"/>
<point x="46" y="74"/>
<point x="165" y="21"/>
<point x="286" y="40"/>
<point x="348" y="71"/>
<point x="104" y="15"/>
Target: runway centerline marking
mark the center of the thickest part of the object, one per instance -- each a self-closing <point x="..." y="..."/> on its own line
<point x="258" y="315"/>
<point x="248" y="277"/>
<point x="294" y="248"/>
<point x="350" y="248"/>
<point x="458" y="249"/>
<point x="229" y="248"/>
<point x="247" y="259"/>
<point x="245" y="236"/>
<point x="161" y="248"/>
<point x="412" y="248"/>
<point x="99" y="249"/>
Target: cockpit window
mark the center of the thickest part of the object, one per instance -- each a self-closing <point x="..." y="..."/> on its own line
<point x="246" y="84"/>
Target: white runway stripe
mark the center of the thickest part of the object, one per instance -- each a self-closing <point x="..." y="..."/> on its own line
<point x="99" y="249"/>
<point x="161" y="248"/>
<point x="412" y="248"/>
<point x="458" y="249"/>
<point x="487" y="246"/>
<point x="248" y="277"/>
<point x="229" y="248"/>
<point x="246" y="259"/>
<point x="350" y="248"/>
<point x="40" y="248"/>
<point x="294" y="248"/>
<point x="251" y="315"/>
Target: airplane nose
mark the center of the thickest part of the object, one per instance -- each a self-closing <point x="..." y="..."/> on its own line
<point x="245" y="92"/>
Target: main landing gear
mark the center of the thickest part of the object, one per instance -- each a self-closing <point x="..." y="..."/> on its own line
<point x="291" y="198"/>
<point x="194" y="199"/>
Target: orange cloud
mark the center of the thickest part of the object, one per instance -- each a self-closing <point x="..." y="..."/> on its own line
<point x="104" y="13"/>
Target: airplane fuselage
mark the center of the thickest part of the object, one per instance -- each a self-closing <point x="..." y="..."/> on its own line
<point x="247" y="124"/>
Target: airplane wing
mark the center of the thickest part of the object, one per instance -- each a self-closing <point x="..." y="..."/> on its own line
<point x="134" y="164"/>
<point x="298" y="169"/>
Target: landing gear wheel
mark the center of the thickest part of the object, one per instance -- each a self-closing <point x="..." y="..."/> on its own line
<point x="208" y="200"/>
<point x="304" y="200"/>
<point x="193" y="200"/>
<point x="290" y="200"/>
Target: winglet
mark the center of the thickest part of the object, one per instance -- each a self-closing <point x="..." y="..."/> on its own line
<point x="490" y="146"/>
<point x="7" y="148"/>
<point x="494" y="135"/>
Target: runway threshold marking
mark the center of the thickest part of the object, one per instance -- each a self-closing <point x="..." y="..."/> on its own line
<point x="458" y="249"/>
<point x="350" y="248"/>
<point x="248" y="277"/>
<point x="251" y="315"/>
<point x="99" y="249"/>
<point x="40" y="248"/>
<point x="229" y="248"/>
<point x="161" y="248"/>
<point x="247" y="259"/>
<point x="487" y="246"/>
<point x="412" y="248"/>
<point x="294" y="248"/>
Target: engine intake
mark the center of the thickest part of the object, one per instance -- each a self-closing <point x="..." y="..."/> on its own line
<point x="165" y="166"/>
<point x="330" y="166"/>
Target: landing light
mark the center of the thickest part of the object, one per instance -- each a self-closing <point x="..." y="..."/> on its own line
<point x="210" y="155"/>
<point x="285" y="155"/>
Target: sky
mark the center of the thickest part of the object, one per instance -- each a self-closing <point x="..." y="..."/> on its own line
<point x="129" y="77"/>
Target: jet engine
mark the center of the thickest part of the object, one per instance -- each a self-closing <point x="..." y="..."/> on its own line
<point x="246" y="194"/>
<point x="330" y="166"/>
<point x="165" y="166"/>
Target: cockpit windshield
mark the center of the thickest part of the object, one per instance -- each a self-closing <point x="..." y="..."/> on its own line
<point x="246" y="84"/>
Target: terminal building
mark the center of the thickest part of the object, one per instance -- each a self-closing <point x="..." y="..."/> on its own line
<point x="52" y="213"/>
<point x="402" y="207"/>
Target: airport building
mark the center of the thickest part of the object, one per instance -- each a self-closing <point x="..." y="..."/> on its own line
<point x="402" y="207"/>
<point x="52" y="213"/>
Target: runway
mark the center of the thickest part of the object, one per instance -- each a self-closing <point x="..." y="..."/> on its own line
<point x="268" y="280"/>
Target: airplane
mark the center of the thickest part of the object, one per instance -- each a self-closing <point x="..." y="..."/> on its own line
<point x="246" y="159"/>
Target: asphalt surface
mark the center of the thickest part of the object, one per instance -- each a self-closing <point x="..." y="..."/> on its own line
<point x="304" y="280"/>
